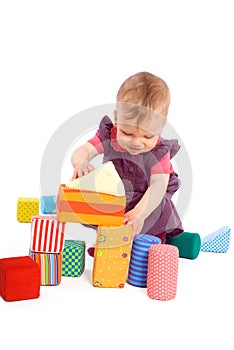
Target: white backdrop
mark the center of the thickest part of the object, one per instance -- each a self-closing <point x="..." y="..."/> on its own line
<point x="61" y="57"/>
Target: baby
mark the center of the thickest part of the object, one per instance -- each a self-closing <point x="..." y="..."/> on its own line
<point x="140" y="155"/>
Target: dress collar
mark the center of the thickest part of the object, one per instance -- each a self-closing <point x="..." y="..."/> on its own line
<point x="114" y="142"/>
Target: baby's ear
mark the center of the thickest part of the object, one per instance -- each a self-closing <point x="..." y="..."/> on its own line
<point x="115" y="117"/>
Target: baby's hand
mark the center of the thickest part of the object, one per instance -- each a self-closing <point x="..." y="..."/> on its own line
<point x="82" y="169"/>
<point x="134" y="219"/>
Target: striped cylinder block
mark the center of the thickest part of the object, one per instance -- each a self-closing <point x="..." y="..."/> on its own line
<point x="73" y="258"/>
<point x="138" y="266"/>
<point x="86" y="207"/>
<point x="51" y="267"/>
<point x="47" y="234"/>
<point x="162" y="272"/>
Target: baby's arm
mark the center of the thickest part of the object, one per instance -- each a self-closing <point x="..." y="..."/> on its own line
<point x="148" y="203"/>
<point x="80" y="160"/>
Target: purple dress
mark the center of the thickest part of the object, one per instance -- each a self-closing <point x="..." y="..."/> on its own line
<point x="134" y="170"/>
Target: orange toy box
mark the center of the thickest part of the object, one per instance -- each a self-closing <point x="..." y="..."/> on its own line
<point x="87" y="207"/>
<point x="111" y="256"/>
<point x="97" y="198"/>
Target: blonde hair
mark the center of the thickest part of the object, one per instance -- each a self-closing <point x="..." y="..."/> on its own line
<point x="147" y="90"/>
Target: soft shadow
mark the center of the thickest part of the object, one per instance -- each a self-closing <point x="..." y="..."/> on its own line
<point x="88" y="275"/>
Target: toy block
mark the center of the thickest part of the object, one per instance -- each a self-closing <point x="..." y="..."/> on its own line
<point x="50" y="266"/>
<point x="188" y="243"/>
<point x="138" y="265"/>
<point x="87" y="207"/>
<point x="73" y="258"/>
<point x="47" y="234"/>
<point x="218" y="241"/>
<point x="19" y="278"/>
<point x="162" y="272"/>
<point x="27" y="208"/>
<point x="97" y="198"/>
<point x="48" y="204"/>
<point x="111" y="256"/>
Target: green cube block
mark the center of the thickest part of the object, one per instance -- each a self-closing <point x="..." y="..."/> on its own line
<point x="73" y="258"/>
<point x="188" y="243"/>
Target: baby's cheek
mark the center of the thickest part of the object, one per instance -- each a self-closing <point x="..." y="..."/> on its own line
<point x="150" y="144"/>
<point x="122" y="142"/>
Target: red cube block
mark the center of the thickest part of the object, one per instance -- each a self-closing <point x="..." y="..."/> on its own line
<point x="20" y="278"/>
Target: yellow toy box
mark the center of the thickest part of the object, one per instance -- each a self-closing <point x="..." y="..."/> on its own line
<point x="111" y="256"/>
<point x="27" y="208"/>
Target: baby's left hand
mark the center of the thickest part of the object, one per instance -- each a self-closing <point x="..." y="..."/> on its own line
<point x="134" y="219"/>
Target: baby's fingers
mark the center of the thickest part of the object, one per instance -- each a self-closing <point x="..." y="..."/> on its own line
<point x="90" y="168"/>
<point x="126" y="220"/>
<point x="75" y="175"/>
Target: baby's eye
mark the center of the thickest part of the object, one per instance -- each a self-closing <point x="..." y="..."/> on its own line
<point x="126" y="133"/>
<point x="148" y="137"/>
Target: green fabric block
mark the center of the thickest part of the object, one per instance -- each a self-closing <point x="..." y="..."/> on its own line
<point x="73" y="258"/>
<point x="188" y="243"/>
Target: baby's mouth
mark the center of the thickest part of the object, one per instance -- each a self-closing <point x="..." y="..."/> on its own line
<point x="135" y="148"/>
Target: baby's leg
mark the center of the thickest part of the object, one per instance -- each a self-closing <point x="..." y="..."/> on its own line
<point x="162" y="236"/>
<point x="90" y="251"/>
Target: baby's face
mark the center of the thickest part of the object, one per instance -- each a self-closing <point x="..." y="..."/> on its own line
<point x="137" y="138"/>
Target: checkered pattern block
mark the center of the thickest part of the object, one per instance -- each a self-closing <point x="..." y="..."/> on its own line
<point x="73" y="258"/>
<point x="218" y="241"/>
<point x="27" y="208"/>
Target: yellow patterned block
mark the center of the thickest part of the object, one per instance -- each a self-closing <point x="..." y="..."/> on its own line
<point x="27" y="208"/>
<point x="111" y="256"/>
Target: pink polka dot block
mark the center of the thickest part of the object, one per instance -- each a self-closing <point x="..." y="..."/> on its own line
<point x="162" y="271"/>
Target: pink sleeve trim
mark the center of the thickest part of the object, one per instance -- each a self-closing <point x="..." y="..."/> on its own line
<point x="97" y="143"/>
<point x="164" y="166"/>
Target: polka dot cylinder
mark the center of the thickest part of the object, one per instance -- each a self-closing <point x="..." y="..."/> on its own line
<point x="162" y="272"/>
<point x="138" y="265"/>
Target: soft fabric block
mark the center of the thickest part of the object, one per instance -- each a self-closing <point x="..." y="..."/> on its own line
<point x="111" y="256"/>
<point x="87" y="207"/>
<point x="47" y="234"/>
<point x="73" y="258"/>
<point x="188" y="243"/>
<point x="19" y="278"/>
<point x="50" y="266"/>
<point x="27" y="208"/>
<point x="48" y="204"/>
<point x="138" y="266"/>
<point x="162" y="272"/>
<point x="218" y="241"/>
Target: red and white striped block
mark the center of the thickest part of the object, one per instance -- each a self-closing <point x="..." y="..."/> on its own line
<point x="47" y="234"/>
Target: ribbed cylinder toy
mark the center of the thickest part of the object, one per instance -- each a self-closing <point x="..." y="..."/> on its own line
<point x="138" y="265"/>
<point x="162" y="272"/>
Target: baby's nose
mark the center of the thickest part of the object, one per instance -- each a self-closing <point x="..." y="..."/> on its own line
<point x="136" y="141"/>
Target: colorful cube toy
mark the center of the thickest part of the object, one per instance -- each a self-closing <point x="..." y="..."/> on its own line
<point x="111" y="256"/>
<point x="73" y="258"/>
<point x="19" y="278"/>
<point x="47" y="234"/>
<point x="27" y="208"/>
